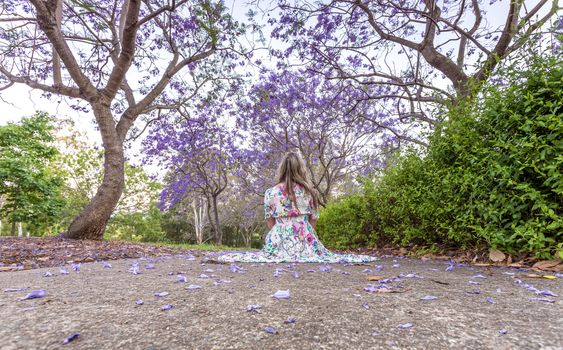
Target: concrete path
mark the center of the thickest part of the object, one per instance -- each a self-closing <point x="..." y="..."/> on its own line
<point x="328" y="307"/>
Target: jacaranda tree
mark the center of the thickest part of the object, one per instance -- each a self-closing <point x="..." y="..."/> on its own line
<point x="120" y="60"/>
<point x="410" y="55"/>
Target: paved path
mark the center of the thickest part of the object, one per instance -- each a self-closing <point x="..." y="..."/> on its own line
<point x="327" y="309"/>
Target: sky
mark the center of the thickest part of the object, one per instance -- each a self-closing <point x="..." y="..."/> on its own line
<point x="19" y="100"/>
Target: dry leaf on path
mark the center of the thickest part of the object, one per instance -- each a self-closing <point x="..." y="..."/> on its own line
<point x="549" y="265"/>
<point x="375" y="278"/>
<point x="496" y="255"/>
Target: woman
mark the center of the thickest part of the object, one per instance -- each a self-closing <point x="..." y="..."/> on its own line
<point x="291" y="214"/>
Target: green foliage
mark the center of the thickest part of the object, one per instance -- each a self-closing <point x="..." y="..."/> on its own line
<point x="29" y="187"/>
<point x="143" y="226"/>
<point x="492" y="175"/>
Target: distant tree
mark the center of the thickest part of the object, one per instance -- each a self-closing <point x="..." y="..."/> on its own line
<point x="29" y="187"/>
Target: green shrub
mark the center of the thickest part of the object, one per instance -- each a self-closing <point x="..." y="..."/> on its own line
<point x="491" y="175"/>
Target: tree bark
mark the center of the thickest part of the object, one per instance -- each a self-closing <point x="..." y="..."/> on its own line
<point x="217" y="226"/>
<point x="91" y="223"/>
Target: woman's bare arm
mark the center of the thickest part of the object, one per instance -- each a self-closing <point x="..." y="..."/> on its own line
<point x="270" y="222"/>
<point x="313" y="222"/>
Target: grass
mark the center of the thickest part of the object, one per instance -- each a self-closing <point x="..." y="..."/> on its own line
<point x="203" y="247"/>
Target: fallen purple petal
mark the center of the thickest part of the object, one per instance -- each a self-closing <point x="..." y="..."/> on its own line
<point x="311" y="270"/>
<point x="450" y="268"/>
<point x="270" y="330"/>
<point x="76" y="267"/>
<point x="47" y="274"/>
<point x="345" y="273"/>
<point x="396" y="266"/>
<point x="35" y="294"/>
<point x="161" y="294"/>
<point x="139" y="302"/>
<point x="106" y="265"/>
<point x="412" y="275"/>
<point x="203" y="276"/>
<point x="325" y="268"/>
<point x="473" y="282"/>
<point x="149" y="266"/>
<point x="167" y="307"/>
<point x="134" y="270"/>
<point x="63" y="271"/>
<point x="181" y="279"/>
<point x="405" y="325"/>
<point x="281" y="294"/>
<point x="193" y="286"/>
<point x="429" y="297"/>
<point x="367" y="270"/>
<point x="254" y="308"/>
<point x="546" y="293"/>
<point x="365" y="305"/>
<point x="295" y="274"/>
<point x="503" y="331"/>
<point x="289" y="321"/>
<point x="546" y="300"/>
<point x="71" y="338"/>
<point x="478" y="276"/>
<point x="490" y="300"/>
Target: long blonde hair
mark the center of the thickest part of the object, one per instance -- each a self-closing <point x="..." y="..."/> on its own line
<point x="292" y="170"/>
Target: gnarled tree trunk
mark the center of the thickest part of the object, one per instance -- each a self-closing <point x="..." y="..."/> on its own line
<point x="91" y="222"/>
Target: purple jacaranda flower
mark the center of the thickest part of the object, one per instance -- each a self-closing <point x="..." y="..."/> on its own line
<point x="357" y="295"/>
<point x="396" y="266"/>
<point x="149" y="266"/>
<point x="106" y="265"/>
<point x="365" y="305"/>
<point x="281" y="294"/>
<point x="76" y="267"/>
<point x="311" y="271"/>
<point x="503" y="331"/>
<point x="290" y="320"/>
<point x="429" y="297"/>
<point x="405" y="325"/>
<point x="181" y="279"/>
<point x="412" y="275"/>
<point x="473" y="282"/>
<point x="209" y="270"/>
<point x="295" y="274"/>
<point x="134" y="269"/>
<point x="71" y="338"/>
<point x="47" y="274"/>
<point x="63" y="271"/>
<point x="386" y="280"/>
<point x="546" y="300"/>
<point x="345" y="273"/>
<point x="371" y="288"/>
<point x="193" y="286"/>
<point x="203" y="276"/>
<point x="254" y="308"/>
<point x="161" y="294"/>
<point x="270" y="330"/>
<point x="517" y="281"/>
<point x="378" y="267"/>
<point x="367" y="270"/>
<point x="490" y="300"/>
<point x="139" y="302"/>
<point x="11" y="290"/>
<point x="40" y="293"/>
<point x="478" y="276"/>
<point x="277" y="273"/>
<point x="546" y="293"/>
<point x="235" y="268"/>
<point x="432" y="269"/>
<point x="450" y="267"/>
<point x="325" y="268"/>
<point x="167" y="307"/>
<point x="223" y="281"/>
<point x="509" y="273"/>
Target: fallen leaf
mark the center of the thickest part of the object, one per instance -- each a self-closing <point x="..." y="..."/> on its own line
<point x="375" y="278"/>
<point x="550" y="265"/>
<point x="496" y="255"/>
<point x="35" y="294"/>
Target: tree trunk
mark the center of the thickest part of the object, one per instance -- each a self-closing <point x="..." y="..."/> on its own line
<point x="92" y="221"/>
<point x="0" y="227"/>
<point x="13" y="233"/>
<point x="20" y="231"/>
<point x="217" y="226"/>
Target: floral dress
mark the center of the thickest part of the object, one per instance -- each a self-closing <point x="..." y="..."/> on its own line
<point x="293" y="238"/>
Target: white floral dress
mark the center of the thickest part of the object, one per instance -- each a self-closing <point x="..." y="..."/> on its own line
<point x="293" y="238"/>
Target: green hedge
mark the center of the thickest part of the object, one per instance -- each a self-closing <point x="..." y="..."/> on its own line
<point x="491" y="175"/>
